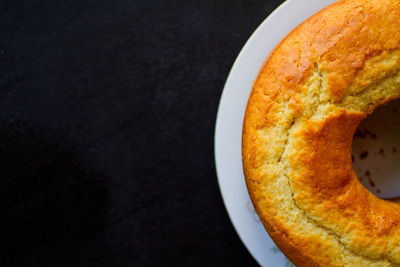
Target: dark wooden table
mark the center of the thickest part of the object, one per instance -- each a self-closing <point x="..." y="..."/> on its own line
<point x="107" y="113"/>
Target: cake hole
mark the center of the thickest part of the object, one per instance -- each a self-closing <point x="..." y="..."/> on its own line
<point x="375" y="158"/>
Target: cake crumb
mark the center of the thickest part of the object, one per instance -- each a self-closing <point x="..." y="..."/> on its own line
<point x="359" y="134"/>
<point x="364" y="154"/>
<point x="371" y="182"/>
<point x="371" y="134"/>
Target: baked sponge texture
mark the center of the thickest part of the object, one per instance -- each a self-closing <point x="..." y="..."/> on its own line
<point x="308" y="99"/>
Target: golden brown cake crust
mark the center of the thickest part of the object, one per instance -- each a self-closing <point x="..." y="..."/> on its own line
<point x="309" y="97"/>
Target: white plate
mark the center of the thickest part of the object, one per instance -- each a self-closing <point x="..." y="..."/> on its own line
<point x="228" y="131"/>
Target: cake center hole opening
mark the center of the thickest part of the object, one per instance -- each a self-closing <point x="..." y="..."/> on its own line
<point x="376" y="151"/>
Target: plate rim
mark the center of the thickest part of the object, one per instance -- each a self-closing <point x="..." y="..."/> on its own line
<point x="219" y="110"/>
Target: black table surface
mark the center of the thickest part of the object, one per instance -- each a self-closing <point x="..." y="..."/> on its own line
<point x="107" y="114"/>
